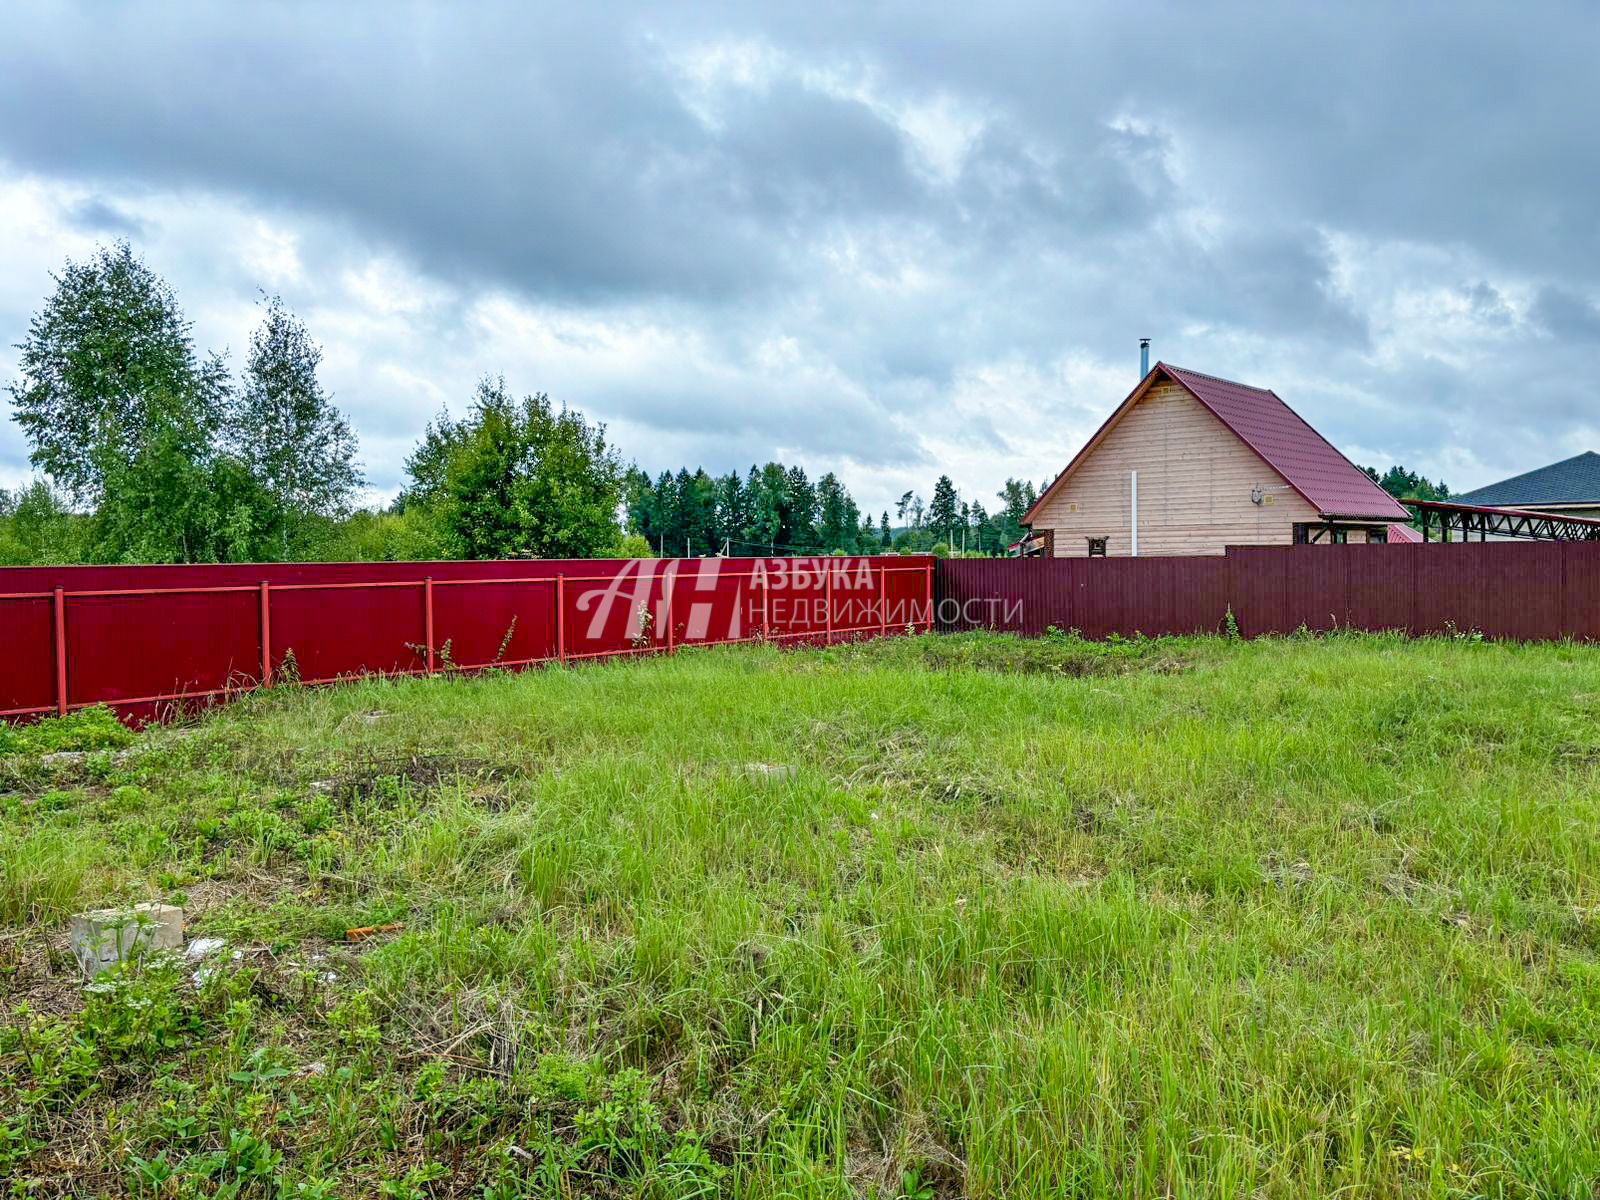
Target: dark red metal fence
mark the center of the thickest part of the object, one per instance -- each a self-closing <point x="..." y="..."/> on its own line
<point x="1528" y="591"/>
<point x="150" y="639"/>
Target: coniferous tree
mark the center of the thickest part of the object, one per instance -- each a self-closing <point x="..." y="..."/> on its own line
<point x="1016" y="498"/>
<point x="769" y="506"/>
<point x="800" y="532"/>
<point x="733" y="511"/>
<point x="982" y="536"/>
<point x="639" y="502"/>
<point x="837" y="517"/>
<point x="942" y="513"/>
<point x="1408" y="485"/>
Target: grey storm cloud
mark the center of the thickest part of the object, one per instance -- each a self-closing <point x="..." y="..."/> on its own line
<point x="908" y="194"/>
<point x="96" y="215"/>
<point x="1564" y="315"/>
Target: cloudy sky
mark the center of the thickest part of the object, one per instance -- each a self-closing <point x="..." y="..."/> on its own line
<point x="884" y="239"/>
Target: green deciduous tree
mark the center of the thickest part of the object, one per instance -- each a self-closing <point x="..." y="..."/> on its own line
<point x="171" y="464"/>
<point x="518" y="479"/>
<point x="291" y="437"/>
<point x="37" y="526"/>
<point x="397" y="535"/>
<point x="176" y="500"/>
<point x="104" y="366"/>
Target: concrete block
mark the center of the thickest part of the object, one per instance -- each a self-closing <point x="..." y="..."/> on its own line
<point x="107" y="936"/>
<point x="770" y="772"/>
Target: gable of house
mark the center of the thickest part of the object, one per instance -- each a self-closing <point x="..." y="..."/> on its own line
<point x="1196" y="481"/>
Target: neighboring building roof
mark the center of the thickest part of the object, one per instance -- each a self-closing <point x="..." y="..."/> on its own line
<point x="1403" y="533"/>
<point x="1574" y="480"/>
<point x="1329" y="481"/>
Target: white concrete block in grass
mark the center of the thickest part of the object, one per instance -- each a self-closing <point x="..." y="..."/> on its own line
<point x="105" y="937"/>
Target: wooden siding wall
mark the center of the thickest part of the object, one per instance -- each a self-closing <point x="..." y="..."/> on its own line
<point x="1195" y="479"/>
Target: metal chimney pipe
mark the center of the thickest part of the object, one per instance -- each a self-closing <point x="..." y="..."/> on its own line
<point x="1144" y="357"/>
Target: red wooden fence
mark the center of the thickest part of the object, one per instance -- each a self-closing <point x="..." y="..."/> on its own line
<point x="1526" y="591"/>
<point x="147" y="639"/>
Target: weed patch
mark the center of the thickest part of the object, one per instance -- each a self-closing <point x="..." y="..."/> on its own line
<point x="1063" y="653"/>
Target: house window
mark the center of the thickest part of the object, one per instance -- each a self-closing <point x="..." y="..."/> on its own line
<point x="1097" y="547"/>
<point x="1377" y="537"/>
<point x="1307" y="533"/>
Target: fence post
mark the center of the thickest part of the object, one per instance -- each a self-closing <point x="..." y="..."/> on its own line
<point x="827" y="602"/>
<point x="561" y="618"/>
<point x="667" y="581"/>
<point x="266" y="634"/>
<point x="60" y="621"/>
<point x="883" y="599"/>
<point x="427" y="618"/>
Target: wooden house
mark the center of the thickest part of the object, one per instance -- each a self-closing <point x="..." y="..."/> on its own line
<point x="1191" y="464"/>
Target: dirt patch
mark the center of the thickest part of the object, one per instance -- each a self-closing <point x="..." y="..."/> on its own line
<point x="1056" y="653"/>
<point x="351" y="780"/>
<point x="37" y="969"/>
<point x="420" y="772"/>
<point x="1068" y="656"/>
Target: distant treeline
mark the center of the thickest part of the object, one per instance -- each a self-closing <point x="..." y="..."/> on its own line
<point x="776" y="509"/>
<point x="1408" y="485"/>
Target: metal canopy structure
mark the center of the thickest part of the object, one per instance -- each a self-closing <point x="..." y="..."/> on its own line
<point x="1459" y="522"/>
<point x="1336" y="531"/>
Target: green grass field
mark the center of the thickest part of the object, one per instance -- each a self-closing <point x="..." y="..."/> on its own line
<point x="1174" y="918"/>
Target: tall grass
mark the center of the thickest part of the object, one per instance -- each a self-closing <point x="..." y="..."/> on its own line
<point x="45" y="874"/>
<point x="1283" y="918"/>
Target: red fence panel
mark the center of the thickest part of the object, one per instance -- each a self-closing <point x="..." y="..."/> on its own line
<point x="1581" y="590"/>
<point x="147" y="638"/>
<point x="1202" y="590"/>
<point x="27" y="672"/>
<point x="1382" y="587"/>
<point x="1309" y="575"/>
<point x="335" y="633"/>
<point x="1025" y="595"/>
<point x="1258" y="589"/>
<point x="1517" y="591"/>
<point x="200" y="643"/>
<point x="493" y="624"/>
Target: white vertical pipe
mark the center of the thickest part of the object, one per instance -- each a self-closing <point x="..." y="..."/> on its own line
<point x="1133" y="524"/>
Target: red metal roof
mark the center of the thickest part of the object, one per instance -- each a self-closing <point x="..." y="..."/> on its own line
<point x="1334" y="485"/>
<point x="1404" y="533"/>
